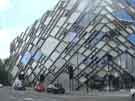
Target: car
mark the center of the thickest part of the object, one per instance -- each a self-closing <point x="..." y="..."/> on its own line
<point x="1" y="85"/>
<point x="132" y="91"/>
<point x="55" y="89"/>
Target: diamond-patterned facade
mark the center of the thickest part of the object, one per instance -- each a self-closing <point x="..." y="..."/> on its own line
<point x="82" y="33"/>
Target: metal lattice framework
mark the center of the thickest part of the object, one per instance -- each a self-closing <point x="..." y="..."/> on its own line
<point x="83" y="33"/>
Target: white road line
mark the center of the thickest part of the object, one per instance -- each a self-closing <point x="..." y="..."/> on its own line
<point x="28" y="99"/>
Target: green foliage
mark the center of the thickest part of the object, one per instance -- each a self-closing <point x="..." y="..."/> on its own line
<point x="4" y="75"/>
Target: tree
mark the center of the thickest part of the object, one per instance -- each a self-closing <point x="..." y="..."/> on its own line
<point x="4" y="74"/>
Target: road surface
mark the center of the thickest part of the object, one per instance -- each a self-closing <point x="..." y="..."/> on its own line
<point x="8" y="94"/>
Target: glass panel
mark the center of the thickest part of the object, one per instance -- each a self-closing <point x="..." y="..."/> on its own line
<point x="121" y="38"/>
<point x="34" y="64"/>
<point x="29" y="48"/>
<point x="49" y="46"/>
<point x="122" y="48"/>
<point x="33" y="51"/>
<point x="28" y="38"/>
<point x="77" y="59"/>
<point x="105" y="29"/>
<point x="101" y="53"/>
<point x="111" y="26"/>
<point x="35" y="41"/>
<point x="48" y="63"/>
<point x="100" y="44"/>
<point x="18" y="60"/>
<point x="55" y="30"/>
<point x="26" y="58"/>
<point x="37" y="70"/>
<point x="67" y="57"/>
<point x="37" y="55"/>
<point x="81" y="50"/>
<point x="129" y="30"/>
<point x="113" y="53"/>
<point x="87" y="52"/>
<point x="71" y="4"/>
<point x="131" y="38"/>
<point x="47" y="20"/>
<point x="54" y="55"/>
<point x="82" y="5"/>
<point x="61" y="21"/>
<point x="123" y="15"/>
<point x="31" y="78"/>
<point x="124" y="33"/>
<point x="132" y="2"/>
<point x="61" y="47"/>
<point x="60" y="63"/>
<point x="131" y="51"/>
<point x="113" y="44"/>
<point x="40" y="43"/>
<point x="106" y="48"/>
<point x="29" y="72"/>
<point x="73" y="17"/>
<point x="70" y="36"/>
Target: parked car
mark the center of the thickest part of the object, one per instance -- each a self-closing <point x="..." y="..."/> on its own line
<point x="55" y="89"/>
<point x="132" y="92"/>
<point x="1" y="85"/>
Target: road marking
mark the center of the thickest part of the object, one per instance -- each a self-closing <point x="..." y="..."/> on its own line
<point x="28" y="99"/>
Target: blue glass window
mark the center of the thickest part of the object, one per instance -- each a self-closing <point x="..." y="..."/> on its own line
<point x="123" y="15"/>
<point x="37" y="56"/>
<point x="132" y="2"/>
<point x="131" y="38"/>
<point x="26" y="58"/>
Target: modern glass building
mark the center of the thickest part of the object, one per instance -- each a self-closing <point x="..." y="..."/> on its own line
<point x="95" y="37"/>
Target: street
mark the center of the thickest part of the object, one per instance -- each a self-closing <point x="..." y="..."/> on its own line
<point x="8" y="94"/>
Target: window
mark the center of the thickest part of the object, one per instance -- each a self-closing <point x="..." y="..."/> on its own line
<point x="87" y="52"/>
<point x="37" y="55"/>
<point x="121" y="38"/>
<point x="113" y="53"/>
<point x="26" y="58"/>
<point x="131" y="38"/>
<point x="100" y="44"/>
<point x="37" y="70"/>
<point x="29" y="72"/>
<point x="55" y="30"/>
<point x="71" y="4"/>
<point x="49" y="45"/>
<point x="61" y="21"/>
<point x="82" y="49"/>
<point x="33" y="51"/>
<point x="34" y="64"/>
<point x="40" y="43"/>
<point x="70" y="36"/>
<point x="73" y="17"/>
<point x="54" y="55"/>
<point x="35" y="41"/>
<point x="123" y="15"/>
<point x="60" y="62"/>
<point x="132" y="2"/>
<point x="48" y="63"/>
<point x="106" y="48"/>
<point x="112" y="43"/>
<point x="61" y="47"/>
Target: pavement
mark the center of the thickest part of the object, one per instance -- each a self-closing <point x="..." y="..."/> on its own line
<point x="8" y="94"/>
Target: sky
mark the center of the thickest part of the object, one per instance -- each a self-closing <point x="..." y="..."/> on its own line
<point x="15" y="16"/>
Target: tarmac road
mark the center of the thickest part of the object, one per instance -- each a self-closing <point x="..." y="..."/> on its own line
<point x="8" y="94"/>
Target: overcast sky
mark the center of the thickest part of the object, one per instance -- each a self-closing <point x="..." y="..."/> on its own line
<point x="15" y="16"/>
